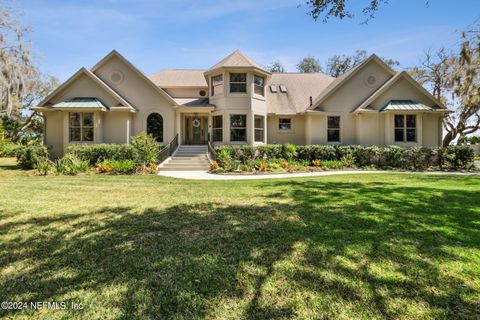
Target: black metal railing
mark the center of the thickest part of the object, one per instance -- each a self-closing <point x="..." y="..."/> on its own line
<point x="211" y="151"/>
<point x="168" y="150"/>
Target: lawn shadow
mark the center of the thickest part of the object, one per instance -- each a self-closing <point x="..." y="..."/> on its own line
<point x="190" y="260"/>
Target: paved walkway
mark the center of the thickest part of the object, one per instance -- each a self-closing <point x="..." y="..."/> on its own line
<point x="202" y="175"/>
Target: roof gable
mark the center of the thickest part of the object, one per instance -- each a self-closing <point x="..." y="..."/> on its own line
<point x="340" y="81"/>
<point x="384" y="88"/>
<point x="113" y="54"/>
<point x="95" y="79"/>
<point x="236" y="60"/>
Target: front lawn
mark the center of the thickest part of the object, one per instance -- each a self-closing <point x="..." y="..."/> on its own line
<point x="353" y="246"/>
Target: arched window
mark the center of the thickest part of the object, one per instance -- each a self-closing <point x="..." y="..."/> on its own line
<point x="155" y="126"/>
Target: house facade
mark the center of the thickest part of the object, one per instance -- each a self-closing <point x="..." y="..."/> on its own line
<point x="238" y="102"/>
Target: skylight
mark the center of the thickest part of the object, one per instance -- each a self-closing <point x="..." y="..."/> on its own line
<point x="273" y="88"/>
<point x="283" y="88"/>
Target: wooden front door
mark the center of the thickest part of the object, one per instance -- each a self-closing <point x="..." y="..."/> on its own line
<point x="196" y="129"/>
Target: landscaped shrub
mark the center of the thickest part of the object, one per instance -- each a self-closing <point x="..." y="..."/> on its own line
<point x="289" y="151"/>
<point x="117" y="167"/>
<point x="95" y="153"/>
<point x="7" y="149"/>
<point x="146" y="149"/>
<point x="393" y="156"/>
<point x="289" y="156"/>
<point x="317" y="152"/>
<point x="270" y="151"/>
<point x="29" y="154"/>
<point x="333" y="164"/>
<point x="43" y="167"/>
<point x="70" y="165"/>
<point x="458" y="157"/>
<point x="224" y="158"/>
<point x="418" y="158"/>
<point x="368" y="156"/>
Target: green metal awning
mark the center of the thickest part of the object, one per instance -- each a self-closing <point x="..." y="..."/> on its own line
<point x="81" y="103"/>
<point x="405" y="105"/>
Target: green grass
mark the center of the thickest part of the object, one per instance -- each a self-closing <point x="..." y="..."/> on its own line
<point x="340" y="247"/>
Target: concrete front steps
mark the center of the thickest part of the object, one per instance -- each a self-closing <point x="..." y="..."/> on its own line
<point x="187" y="158"/>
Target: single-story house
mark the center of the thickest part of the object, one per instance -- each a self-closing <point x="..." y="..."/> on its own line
<point x="237" y="101"/>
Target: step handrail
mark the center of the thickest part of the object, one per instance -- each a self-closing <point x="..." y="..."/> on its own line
<point x="168" y="150"/>
<point x="211" y="152"/>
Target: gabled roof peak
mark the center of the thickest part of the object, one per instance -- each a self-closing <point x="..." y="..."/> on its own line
<point x="236" y="59"/>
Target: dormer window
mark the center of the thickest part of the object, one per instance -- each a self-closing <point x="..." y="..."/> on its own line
<point x="238" y="82"/>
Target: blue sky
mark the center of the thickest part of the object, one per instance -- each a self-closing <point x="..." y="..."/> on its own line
<point x="195" y="34"/>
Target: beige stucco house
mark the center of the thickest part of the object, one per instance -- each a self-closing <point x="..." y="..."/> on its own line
<point x="237" y="101"/>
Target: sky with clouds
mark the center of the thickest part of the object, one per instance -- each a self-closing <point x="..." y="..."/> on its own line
<point x="195" y="34"/>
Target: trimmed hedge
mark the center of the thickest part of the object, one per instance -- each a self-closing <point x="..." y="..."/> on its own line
<point x="143" y="150"/>
<point x="96" y="153"/>
<point x="410" y="158"/>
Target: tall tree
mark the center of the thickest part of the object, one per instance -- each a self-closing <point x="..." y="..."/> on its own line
<point x="339" y="64"/>
<point x="309" y="64"/>
<point x="21" y="84"/>
<point x="454" y="79"/>
<point x="326" y="9"/>
<point x="276" y="66"/>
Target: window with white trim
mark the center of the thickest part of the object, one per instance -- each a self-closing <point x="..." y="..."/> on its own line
<point x="405" y="128"/>
<point x="259" y="85"/>
<point x="80" y="126"/>
<point x="238" y="82"/>
<point x="285" y="124"/>
<point x="259" y="128"/>
<point x="333" y="129"/>
<point x="216" y="84"/>
<point x="217" y="128"/>
<point x="238" y="127"/>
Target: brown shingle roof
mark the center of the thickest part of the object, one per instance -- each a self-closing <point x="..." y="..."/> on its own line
<point x="179" y="78"/>
<point x="236" y="59"/>
<point x="300" y="86"/>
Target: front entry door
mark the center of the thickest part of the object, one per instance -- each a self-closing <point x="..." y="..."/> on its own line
<point x="196" y="130"/>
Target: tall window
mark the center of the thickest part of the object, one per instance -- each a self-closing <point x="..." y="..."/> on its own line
<point x="217" y="84"/>
<point x="285" y="124"/>
<point x="238" y="127"/>
<point x="238" y="82"/>
<point x="259" y="128"/>
<point x="259" y="85"/>
<point x="81" y="126"/>
<point x="405" y="128"/>
<point x="217" y="128"/>
<point x="155" y="126"/>
<point x="333" y="129"/>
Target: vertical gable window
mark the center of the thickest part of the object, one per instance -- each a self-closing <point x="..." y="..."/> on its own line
<point x="405" y="128"/>
<point x="238" y="127"/>
<point x="333" y="129"/>
<point x="217" y="84"/>
<point x="259" y="128"/>
<point x="259" y="85"/>
<point x="285" y="124"/>
<point x="80" y="126"/>
<point x="238" y="82"/>
<point x="217" y="128"/>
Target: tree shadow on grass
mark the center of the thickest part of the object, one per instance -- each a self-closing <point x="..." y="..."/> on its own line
<point x="375" y="250"/>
